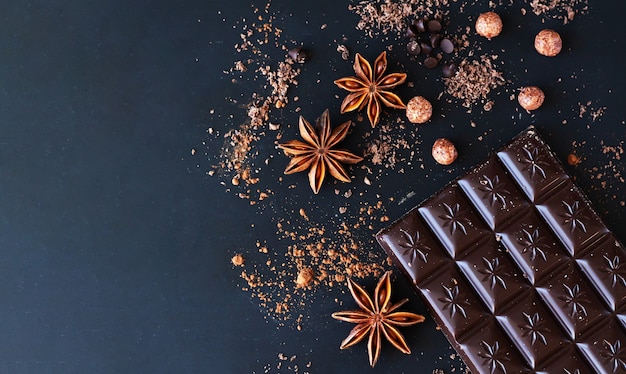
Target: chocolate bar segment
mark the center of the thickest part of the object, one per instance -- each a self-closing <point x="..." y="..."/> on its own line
<point x="517" y="268"/>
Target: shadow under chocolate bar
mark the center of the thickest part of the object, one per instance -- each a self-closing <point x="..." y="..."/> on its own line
<point x="517" y="268"/>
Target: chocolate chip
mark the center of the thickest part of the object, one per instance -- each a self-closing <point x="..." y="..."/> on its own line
<point x="298" y="54"/>
<point x="431" y="62"/>
<point x="446" y="45"/>
<point x="426" y="48"/>
<point x="435" y="39"/>
<point x="448" y="69"/>
<point x="413" y="47"/>
<point x="411" y="31"/>
<point x="433" y="25"/>
<point x="419" y="25"/>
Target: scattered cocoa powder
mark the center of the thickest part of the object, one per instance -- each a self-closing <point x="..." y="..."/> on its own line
<point x="594" y="113"/>
<point x="287" y="364"/>
<point x="389" y="148"/>
<point x="238" y="162"/>
<point x="610" y="170"/>
<point x="316" y="254"/>
<point x="345" y="53"/>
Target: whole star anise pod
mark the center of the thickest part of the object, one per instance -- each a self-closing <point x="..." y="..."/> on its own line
<point x="316" y="153"/>
<point x="371" y="87"/>
<point x="376" y="318"/>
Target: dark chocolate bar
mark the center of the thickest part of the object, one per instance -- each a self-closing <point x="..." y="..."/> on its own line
<point x="517" y="268"/>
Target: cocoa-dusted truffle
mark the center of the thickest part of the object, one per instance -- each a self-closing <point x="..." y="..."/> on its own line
<point x="531" y="98"/>
<point x="444" y="151"/>
<point x="419" y="110"/>
<point x="548" y="43"/>
<point x="489" y="25"/>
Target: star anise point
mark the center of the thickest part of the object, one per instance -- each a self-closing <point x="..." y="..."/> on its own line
<point x="376" y="318"/>
<point x="317" y="153"/>
<point x="371" y="88"/>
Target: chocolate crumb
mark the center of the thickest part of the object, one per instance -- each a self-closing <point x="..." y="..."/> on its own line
<point x="305" y="277"/>
<point x="345" y="53"/>
<point x="573" y="159"/>
<point x="237" y="260"/>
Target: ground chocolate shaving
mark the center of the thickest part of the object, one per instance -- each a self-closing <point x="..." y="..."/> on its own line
<point x="474" y="80"/>
<point x="386" y="16"/>
<point x="565" y="10"/>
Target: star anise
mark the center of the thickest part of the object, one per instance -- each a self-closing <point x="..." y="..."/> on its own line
<point x="376" y="318"/>
<point x="316" y="153"/>
<point x="371" y="87"/>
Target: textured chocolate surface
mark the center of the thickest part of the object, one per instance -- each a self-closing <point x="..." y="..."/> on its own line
<point x="517" y="268"/>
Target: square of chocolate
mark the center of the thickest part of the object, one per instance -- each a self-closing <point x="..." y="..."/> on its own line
<point x="517" y="268"/>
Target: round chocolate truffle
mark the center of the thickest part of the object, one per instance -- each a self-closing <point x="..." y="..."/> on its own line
<point x="548" y="43"/>
<point x="444" y="151"/>
<point x="531" y="98"/>
<point x="489" y="25"/>
<point x="419" y="110"/>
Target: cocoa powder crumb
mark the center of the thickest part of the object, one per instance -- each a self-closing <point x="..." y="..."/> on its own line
<point x="237" y="260"/>
<point x="305" y="277"/>
<point x="593" y="112"/>
<point x="345" y="53"/>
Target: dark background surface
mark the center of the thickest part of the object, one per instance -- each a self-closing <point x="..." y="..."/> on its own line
<point x="115" y="245"/>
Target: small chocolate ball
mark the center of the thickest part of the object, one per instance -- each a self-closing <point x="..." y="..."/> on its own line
<point x="530" y="98"/>
<point x="548" y="43"/>
<point x="489" y="25"/>
<point x="419" y="110"/>
<point x="444" y="151"/>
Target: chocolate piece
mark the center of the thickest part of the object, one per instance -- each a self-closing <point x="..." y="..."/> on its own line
<point x="413" y="48"/>
<point x="426" y="48"/>
<point x="448" y="69"/>
<point x="435" y="39"/>
<point x="446" y="45"/>
<point x="433" y="25"/>
<point x="517" y="268"/>
<point x="411" y="31"/>
<point x="431" y="62"/>
<point x="419" y="25"/>
<point x="299" y="55"/>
